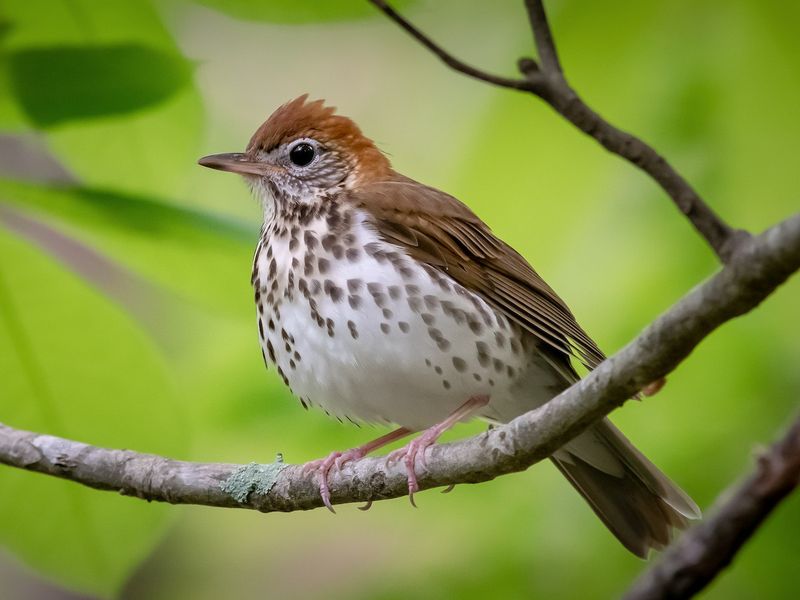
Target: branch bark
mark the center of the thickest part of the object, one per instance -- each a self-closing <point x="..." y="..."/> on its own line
<point x="757" y="269"/>
<point x="547" y="81"/>
<point x="706" y="549"/>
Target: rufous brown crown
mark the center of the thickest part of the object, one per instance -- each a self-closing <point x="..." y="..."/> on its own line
<point x="301" y="118"/>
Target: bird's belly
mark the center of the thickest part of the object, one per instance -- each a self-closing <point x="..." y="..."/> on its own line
<point x="387" y="339"/>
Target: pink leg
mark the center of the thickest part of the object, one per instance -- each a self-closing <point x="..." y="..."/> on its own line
<point x="418" y="446"/>
<point x="338" y="459"/>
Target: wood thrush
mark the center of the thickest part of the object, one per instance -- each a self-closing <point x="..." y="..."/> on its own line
<point x="383" y="300"/>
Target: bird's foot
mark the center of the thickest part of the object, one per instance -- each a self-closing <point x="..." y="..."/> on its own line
<point x="322" y="467"/>
<point x="417" y="447"/>
<point x="409" y="453"/>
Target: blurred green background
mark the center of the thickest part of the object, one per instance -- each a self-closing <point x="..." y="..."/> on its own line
<point x="126" y="317"/>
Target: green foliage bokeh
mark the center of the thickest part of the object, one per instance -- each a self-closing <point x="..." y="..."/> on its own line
<point x="153" y="348"/>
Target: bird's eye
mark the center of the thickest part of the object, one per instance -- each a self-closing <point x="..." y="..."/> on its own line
<point x="302" y="154"/>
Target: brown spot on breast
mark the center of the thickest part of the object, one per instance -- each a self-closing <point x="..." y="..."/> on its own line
<point x="323" y="265"/>
<point x="283" y="376"/>
<point x="475" y="325"/>
<point x="404" y="327"/>
<point x="310" y="240"/>
<point x="460" y="364"/>
<point x="334" y="291"/>
<point x="374" y="250"/>
<point x="483" y="353"/>
<point x="334" y="219"/>
<point x="352" y="254"/>
<point x="499" y="339"/>
<point x="354" y="301"/>
<point x="414" y="303"/>
<point x="308" y="264"/>
<point x="328" y="240"/>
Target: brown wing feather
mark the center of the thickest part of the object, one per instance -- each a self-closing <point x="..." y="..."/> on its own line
<point x="436" y="229"/>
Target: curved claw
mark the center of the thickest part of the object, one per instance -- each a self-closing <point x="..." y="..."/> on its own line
<point x="414" y="450"/>
<point x="323" y="468"/>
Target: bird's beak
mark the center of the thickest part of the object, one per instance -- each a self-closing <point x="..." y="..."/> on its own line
<point x="237" y="162"/>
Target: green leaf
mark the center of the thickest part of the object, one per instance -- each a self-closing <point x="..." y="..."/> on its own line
<point x="294" y="12"/>
<point x="75" y="365"/>
<point x="198" y="257"/>
<point x="93" y="81"/>
<point x="152" y="150"/>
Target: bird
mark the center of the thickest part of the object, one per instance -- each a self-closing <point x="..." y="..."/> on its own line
<point x="386" y="301"/>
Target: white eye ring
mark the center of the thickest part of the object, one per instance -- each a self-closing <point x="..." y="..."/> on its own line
<point x="302" y="153"/>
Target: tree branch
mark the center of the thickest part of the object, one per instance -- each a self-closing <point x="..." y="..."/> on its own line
<point x="543" y="38"/>
<point x="707" y="548"/>
<point x="755" y="271"/>
<point x="447" y="58"/>
<point x="548" y="83"/>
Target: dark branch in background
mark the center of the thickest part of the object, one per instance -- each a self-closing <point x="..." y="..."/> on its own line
<point x="760" y="266"/>
<point x="447" y="58"/>
<point x="703" y="551"/>
<point x="547" y="81"/>
<point x="542" y="37"/>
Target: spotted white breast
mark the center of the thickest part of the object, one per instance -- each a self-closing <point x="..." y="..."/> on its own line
<point x="363" y="331"/>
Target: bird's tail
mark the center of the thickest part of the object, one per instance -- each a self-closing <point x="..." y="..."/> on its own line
<point x="635" y="500"/>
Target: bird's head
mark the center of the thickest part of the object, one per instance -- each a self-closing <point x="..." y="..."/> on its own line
<point x="304" y="151"/>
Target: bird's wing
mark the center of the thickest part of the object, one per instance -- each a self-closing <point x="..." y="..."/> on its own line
<point x="438" y="230"/>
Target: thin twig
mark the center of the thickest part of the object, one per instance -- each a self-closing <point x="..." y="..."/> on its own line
<point x="758" y="268"/>
<point x="707" y="548"/>
<point x="542" y="37"/>
<point x="450" y="60"/>
<point x="548" y="83"/>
